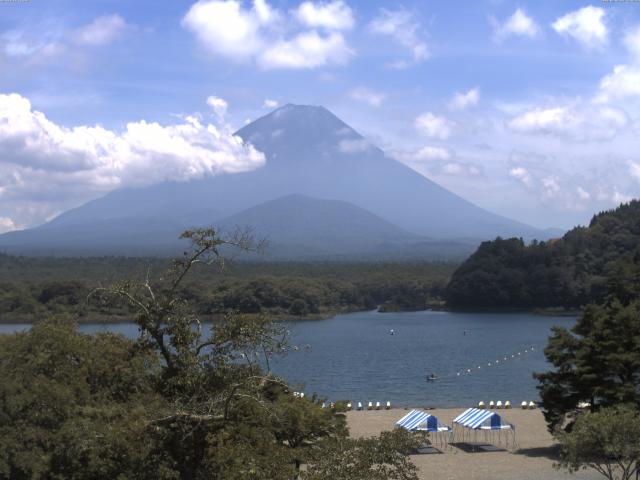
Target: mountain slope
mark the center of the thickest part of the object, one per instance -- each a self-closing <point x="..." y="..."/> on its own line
<point x="309" y="151"/>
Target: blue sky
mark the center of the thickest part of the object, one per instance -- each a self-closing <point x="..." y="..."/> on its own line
<point x="529" y="109"/>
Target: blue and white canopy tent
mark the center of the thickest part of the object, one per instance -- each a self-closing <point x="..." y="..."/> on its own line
<point x="419" y="421"/>
<point x="487" y="424"/>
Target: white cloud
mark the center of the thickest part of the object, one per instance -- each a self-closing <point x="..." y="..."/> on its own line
<point x="634" y="170"/>
<point x="354" y="145"/>
<point x="307" y="50"/>
<point x="366" y="95"/>
<point x="7" y="225"/>
<point x="404" y="29"/>
<point x="521" y="174"/>
<point x="335" y="15"/>
<point x="550" y="187"/>
<point x="101" y="31"/>
<point x="623" y="82"/>
<point x="459" y="169"/>
<point x="258" y="34"/>
<point x="578" y="120"/>
<point x="583" y="194"/>
<point x="464" y="100"/>
<point x="40" y="157"/>
<point x="431" y="153"/>
<point x="618" y="197"/>
<point x="518" y="24"/>
<point x="433" y="126"/>
<point x="270" y="104"/>
<point x="632" y="42"/>
<point x="585" y="25"/>
<point x="218" y="105"/>
<point x="227" y="29"/>
<point x="544" y="120"/>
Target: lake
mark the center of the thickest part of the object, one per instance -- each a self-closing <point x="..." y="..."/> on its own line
<point x="355" y="356"/>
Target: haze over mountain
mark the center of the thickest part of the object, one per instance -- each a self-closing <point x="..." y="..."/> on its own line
<point x="310" y="152"/>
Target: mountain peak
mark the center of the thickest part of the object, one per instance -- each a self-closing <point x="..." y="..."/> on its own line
<point x="298" y="129"/>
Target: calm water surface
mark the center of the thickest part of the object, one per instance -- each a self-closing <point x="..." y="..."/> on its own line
<point x="355" y="357"/>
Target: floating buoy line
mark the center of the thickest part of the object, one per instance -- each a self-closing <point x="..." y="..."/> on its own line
<point x="501" y="360"/>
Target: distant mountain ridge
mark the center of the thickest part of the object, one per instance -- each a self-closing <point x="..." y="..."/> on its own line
<point x="309" y="152"/>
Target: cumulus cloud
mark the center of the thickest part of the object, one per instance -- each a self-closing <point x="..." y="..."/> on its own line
<point x="464" y="100"/>
<point x="8" y="225"/>
<point x="335" y="15"/>
<point x="519" y="24"/>
<point x="307" y="50"/>
<point x="521" y="174"/>
<point x="624" y="81"/>
<point x="368" y="96"/>
<point x="585" y="25"/>
<point x="433" y="126"/>
<point x="634" y="170"/>
<point x="101" y="31"/>
<point x="218" y="105"/>
<point x="404" y="29"/>
<point x="41" y="157"/>
<point x="578" y="121"/>
<point x="258" y="34"/>
<point x="435" y="161"/>
<point x="270" y="104"/>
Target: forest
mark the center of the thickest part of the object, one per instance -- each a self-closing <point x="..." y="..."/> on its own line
<point x="33" y="288"/>
<point x="584" y="266"/>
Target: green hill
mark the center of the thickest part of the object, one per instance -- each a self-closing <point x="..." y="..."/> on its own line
<point x="581" y="267"/>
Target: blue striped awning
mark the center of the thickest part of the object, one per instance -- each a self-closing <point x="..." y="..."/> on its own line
<point x="416" y="419"/>
<point x="476" y="417"/>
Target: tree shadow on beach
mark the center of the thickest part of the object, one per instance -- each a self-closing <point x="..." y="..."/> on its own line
<point x="552" y="452"/>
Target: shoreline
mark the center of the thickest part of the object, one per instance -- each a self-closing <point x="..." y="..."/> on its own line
<point x="116" y="320"/>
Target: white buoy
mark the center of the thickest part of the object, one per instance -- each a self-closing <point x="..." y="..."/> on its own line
<point x="388" y="405"/>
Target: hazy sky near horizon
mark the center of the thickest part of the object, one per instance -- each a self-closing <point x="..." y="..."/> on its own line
<point x="528" y="109"/>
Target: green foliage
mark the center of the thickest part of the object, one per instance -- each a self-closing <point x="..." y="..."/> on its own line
<point x="182" y="402"/>
<point x="582" y="267"/>
<point x="72" y="405"/>
<point x="607" y="441"/>
<point x="33" y="288"/>
<point x="598" y="361"/>
<point x="374" y="458"/>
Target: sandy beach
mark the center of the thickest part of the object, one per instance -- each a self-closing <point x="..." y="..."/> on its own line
<point x="532" y="459"/>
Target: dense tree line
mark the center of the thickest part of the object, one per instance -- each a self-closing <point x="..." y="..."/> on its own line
<point x="568" y="272"/>
<point x="32" y="288"/>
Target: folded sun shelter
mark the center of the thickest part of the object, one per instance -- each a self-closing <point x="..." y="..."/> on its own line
<point x="418" y="421"/>
<point x="485" y="424"/>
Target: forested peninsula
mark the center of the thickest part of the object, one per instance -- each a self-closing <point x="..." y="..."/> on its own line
<point x="584" y="266"/>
